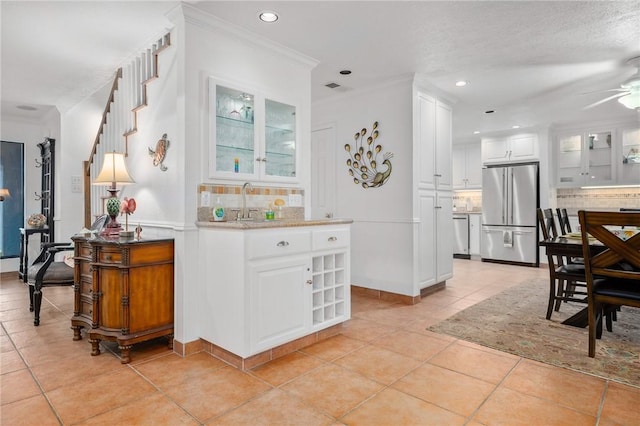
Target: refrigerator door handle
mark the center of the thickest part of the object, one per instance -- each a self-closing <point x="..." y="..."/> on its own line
<point x="512" y="197"/>
<point x="504" y="196"/>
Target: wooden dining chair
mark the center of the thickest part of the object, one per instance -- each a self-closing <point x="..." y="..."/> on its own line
<point x="563" y="221"/>
<point x="566" y="280"/>
<point x="613" y="275"/>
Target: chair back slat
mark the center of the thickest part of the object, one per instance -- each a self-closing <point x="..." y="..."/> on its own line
<point x="547" y="224"/>
<point x="618" y="253"/>
<point x="563" y="221"/>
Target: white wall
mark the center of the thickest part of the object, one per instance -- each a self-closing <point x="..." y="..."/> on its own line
<point x="382" y="232"/>
<point x="30" y="132"/>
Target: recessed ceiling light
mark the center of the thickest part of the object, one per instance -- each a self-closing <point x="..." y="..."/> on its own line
<point x="477" y="132"/>
<point x="27" y="108"/>
<point x="345" y="72"/>
<point x="268" y="16"/>
<point x="461" y="83"/>
<point x="515" y="127"/>
<point x="489" y="111"/>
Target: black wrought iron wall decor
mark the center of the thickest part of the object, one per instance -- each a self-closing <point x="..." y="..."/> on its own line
<point x="363" y="160"/>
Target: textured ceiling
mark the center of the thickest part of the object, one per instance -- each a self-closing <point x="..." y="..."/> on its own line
<point x="531" y="62"/>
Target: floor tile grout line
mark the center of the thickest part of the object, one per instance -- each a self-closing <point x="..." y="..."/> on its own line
<point x="33" y="376"/>
<point x="603" y="397"/>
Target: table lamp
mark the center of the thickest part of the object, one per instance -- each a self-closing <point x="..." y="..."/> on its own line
<point x="114" y="171"/>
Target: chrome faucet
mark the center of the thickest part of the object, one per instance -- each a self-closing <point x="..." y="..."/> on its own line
<point x="244" y="215"/>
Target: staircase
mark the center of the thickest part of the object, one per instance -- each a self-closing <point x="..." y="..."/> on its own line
<point x="119" y="120"/>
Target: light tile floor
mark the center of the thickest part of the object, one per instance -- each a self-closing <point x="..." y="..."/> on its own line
<point x="384" y="369"/>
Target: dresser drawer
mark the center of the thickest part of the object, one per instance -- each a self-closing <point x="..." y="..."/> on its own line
<point x="85" y="269"/>
<point x="86" y="309"/>
<point x="326" y="239"/>
<point x="278" y="243"/>
<point x="86" y="288"/>
<point x="109" y="255"/>
<point x="84" y="250"/>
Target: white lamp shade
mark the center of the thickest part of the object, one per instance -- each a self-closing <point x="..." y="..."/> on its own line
<point x="632" y="100"/>
<point x="114" y="169"/>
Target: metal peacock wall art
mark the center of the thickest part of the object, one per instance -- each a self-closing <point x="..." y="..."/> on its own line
<point x="363" y="160"/>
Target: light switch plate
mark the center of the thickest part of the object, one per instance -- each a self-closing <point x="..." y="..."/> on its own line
<point x="295" y="200"/>
<point x="76" y="184"/>
<point x="205" y="199"/>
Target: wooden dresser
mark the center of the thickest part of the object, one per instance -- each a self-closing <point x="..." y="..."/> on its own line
<point x="123" y="291"/>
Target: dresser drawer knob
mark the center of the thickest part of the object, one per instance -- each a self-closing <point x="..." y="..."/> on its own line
<point x="332" y="239"/>
<point x="309" y="282"/>
<point x="108" y="257"/>
<point x="283" y="243"/>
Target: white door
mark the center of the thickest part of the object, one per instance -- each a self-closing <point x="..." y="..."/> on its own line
<point x="323" y="172"/>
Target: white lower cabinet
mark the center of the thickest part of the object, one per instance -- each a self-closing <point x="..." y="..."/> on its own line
<point x="267" y="287"/>
<point x="435" y="237"/>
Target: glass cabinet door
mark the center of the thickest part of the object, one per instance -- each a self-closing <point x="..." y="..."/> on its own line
<point x="570" y="171"/>
<point x="630" y="163"/>
<point x="599" y="155"/>
<point x="235" y="134"/>
<point x="585" y="159"/>
<point x="280" y="139"/>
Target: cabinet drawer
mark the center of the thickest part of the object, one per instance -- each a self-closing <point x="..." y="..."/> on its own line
<point x="86" y="288"/>
<point x="84" y="250"/>
<point x="278" y="243"/>
<point x="86" y="309"/>
<point x="330" y="238"/>
<point x="109" y="255"/>
<point x="85" y="269"/>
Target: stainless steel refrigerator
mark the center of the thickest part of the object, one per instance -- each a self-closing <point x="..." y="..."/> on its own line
<point x="510" y="197"/>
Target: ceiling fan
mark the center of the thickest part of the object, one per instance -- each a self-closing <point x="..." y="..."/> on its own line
<point x="629" y="91"/>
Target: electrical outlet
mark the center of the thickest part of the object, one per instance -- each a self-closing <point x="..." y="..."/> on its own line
<point x="76" y="184"/>
<point x="205" y="199"/>
<point x="295" y="200"/>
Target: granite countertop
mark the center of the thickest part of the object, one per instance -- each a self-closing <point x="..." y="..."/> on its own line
<point x="278" y="223"/>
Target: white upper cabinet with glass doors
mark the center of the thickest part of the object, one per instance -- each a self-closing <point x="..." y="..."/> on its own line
<point x="629" y="166"/>
<point x="252" y="137"/>
<point x="585" y="159"/>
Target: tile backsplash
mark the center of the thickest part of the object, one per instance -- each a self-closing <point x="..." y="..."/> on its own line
<point x="258" y="198"/>
<point x="605" y="199"/>
<point x="467" y="201"/>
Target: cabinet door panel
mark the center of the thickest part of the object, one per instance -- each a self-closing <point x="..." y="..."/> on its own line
<point x="427" y="132"/>
<point x="474" y="166"/>
<point x="110" y="298"/>
<point x="280" y="305"/>
<point x="233" y="130"/>
<point x="443" y="146"/>
<point x="280" y="139"/>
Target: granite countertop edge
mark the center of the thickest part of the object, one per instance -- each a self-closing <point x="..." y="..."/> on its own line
<point x="262" y="224"/>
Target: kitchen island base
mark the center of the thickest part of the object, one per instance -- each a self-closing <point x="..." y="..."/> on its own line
<point x="245" y="364"/>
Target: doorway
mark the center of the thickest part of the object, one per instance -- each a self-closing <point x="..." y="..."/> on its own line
<point x="12" y="208"/>
<point x="323" y="172"/>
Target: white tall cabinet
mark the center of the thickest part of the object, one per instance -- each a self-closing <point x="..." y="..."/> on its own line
<point x="434" y="197"/>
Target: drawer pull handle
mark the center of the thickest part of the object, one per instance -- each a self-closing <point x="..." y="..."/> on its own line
<point x="283" y="243"/>
<point x="108" y="257"/>
<point x="309" y="282"/>
<point x="332" y="239"/>
<point x="90" y="268"/>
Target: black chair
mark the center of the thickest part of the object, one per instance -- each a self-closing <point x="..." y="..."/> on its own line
<point x="565" y="279"/>
<point x="613" y="275"/>
<point x="45" y="271"/>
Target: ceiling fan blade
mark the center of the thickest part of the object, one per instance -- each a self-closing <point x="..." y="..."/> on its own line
<point x="604" y="91"/>
<point x="617" y="95"/>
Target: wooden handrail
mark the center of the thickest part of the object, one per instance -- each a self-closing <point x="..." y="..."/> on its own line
<point x="107" y="109"/>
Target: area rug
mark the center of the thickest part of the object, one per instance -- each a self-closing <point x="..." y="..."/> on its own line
<point x="514" y="321"/>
